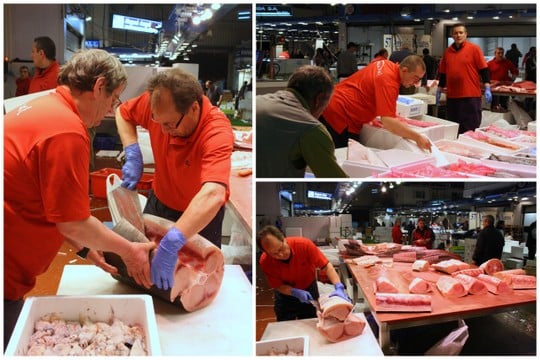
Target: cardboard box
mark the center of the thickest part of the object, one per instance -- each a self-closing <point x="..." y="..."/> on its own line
<point x="131" y="309"/>
<point x="98" y="182"/>
<point x="283" y="346"/>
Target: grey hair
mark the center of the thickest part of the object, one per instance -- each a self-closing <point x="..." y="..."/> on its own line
<point x="85" y="67"/>
<point x="411" y="62"/>
<point x="184" y="87"/>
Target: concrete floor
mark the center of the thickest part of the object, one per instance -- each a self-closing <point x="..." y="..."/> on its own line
<point x="509" y="333"/>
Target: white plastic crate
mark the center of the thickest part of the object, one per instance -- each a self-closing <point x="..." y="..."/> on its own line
<point x="409" y="107"/>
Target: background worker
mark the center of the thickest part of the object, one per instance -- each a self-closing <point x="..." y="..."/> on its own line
<point x="214" y="93"/>
<point x="422" y="235"/>
<point x="23" y="81"/>
<point x="461" y="70"/>
<point x="397" y="234"/>
<point x="490" y="242"/>
<point x="192" y="143"/>
<point x="46" y="66"/>
<point x="290" y="266"/>
<point x="346" y="61"/>
<point x="46" y="151"/>
<point x="372" y="92"/>
<point x="289" y="135"/>
<point x="501" y="69"/>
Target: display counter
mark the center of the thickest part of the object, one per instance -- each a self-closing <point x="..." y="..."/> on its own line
<point x="443" y="309"/>
<point x="223" y="328"/>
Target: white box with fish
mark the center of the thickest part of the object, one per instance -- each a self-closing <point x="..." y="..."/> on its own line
<point x="130" y="309"/>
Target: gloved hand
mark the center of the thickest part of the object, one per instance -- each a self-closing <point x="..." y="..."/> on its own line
<point x="340" y="291"/>
<point x="487" y="95"/>
<point x="302" y="295"/>
<point x="165" y="259"/>
<point x="133" y="167"/>
<point x="437" y="97"/>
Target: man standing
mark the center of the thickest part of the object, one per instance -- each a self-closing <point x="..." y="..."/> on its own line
<point x="23" y="82"/>
<point x="489" y="243"/>
<point x="513" y="55"/>
<point x="214" y="93"/>
<point x="372" y="92"/>
<point x="423" y="235"/>
<point x="289" y="136"/>
<point x="290" y="266"/>
<point x="46" y="66"/>
<point x="46" y="153"/>
<point x="501" y="69"/>
<point x="346" y="62"/>
<point x="461" y="70"/>
<point x="192" y="142"/>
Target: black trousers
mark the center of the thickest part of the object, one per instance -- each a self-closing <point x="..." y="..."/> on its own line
<point x="467" y="112"/>
<point x="212" y="231"/>
<point x="12" y="309"/>
<point x="288" y="307"/>
<point x="340" y="140"/>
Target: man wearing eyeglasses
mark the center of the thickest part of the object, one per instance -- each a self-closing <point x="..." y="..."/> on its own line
<point x="372" y="92"/>
<point x="289" y="265"/>
<point x="192" y="143"/>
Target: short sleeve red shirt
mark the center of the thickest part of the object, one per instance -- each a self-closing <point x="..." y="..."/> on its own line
<point x="366" y="94"/>
<point x="45" y="79"/>
<point x="299" y="271"/>
<point x="183" y="165"/>
<point x="46" y="173"/>
<point x="462" y="70"/>
<point x="499" y="69"/>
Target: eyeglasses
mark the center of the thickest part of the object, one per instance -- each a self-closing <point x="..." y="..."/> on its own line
<point x="116" y="101"/>
<point x="167" y="125"/>
<point x="417" y="78"/>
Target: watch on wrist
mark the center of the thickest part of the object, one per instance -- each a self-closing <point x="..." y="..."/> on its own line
<point x="83" y="252"/>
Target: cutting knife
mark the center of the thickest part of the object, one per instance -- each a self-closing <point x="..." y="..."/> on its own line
<point x="315" y="303"/>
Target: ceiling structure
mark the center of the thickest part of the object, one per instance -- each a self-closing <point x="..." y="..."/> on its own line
<point x="186" y="29"/>
<point x="450" y="197"/>
<point x="322" y="20"/>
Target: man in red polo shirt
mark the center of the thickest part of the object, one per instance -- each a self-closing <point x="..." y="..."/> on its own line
<point x="289" y="265"/>
<point x="462" y="71"/>
<point x="501" y="69"/>
<point x="192" y="143"/>
<point x="369" y="93"/>
<point x="46" y="172"/>
<point x="46" y="66"/>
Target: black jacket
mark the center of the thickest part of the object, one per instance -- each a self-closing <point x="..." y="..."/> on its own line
<point x="489" y="245"/>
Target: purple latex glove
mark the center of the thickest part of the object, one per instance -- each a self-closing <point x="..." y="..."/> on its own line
<point x="340" y="291"/>
<point x="164" y="261"/>
<point x="302" y="295"/>
<point x="133" y="167"/>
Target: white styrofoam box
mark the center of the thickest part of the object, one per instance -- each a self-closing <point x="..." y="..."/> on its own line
<point x="428" y="99"/>
<point x="522" y="139"/>
<point x="408" y="106"/>
<point x="531" y="125"/>
<point x="283" y="346"/>
<point x="396" y="157"/>
<point x="493" y="148"/>
<point x="466" y="150"/>
<point x="489" y="117"/>
<point x="379" y="138"/>
<point x="131" y="309"/>
<point x="408" y="170"/>
<point x="524" y="171"/>
<point x="450" y="128"/>
<point x="356" y="169"/>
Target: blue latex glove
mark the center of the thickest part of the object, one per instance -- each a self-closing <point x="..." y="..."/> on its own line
<point x="165" y="259"/>
<point x="133" y="167"/>
<point x="487" y="95"/>
<point x="437" y="97"/>
<point x="340" y="291"/>
<point x="302" y="295"/>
